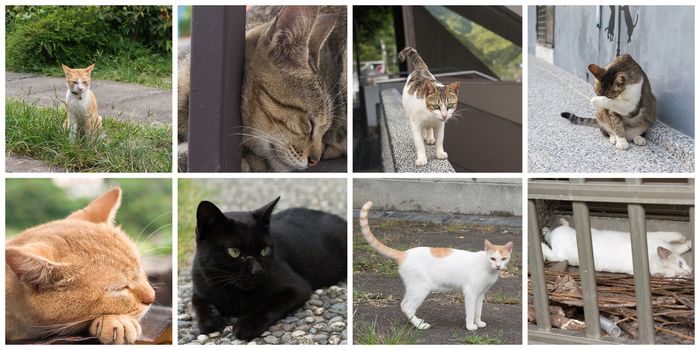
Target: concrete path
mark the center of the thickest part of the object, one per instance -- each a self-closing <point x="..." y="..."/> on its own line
<point x="556" y="145"/>
<point x="114" y="100"/>
<point x="21" y="164"/>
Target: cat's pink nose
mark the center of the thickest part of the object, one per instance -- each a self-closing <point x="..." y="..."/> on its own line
<point x="312" y="161"/>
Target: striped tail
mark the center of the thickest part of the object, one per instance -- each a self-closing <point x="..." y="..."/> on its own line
<point x="376" y="244"/>
<point x="574" y="119"/>
<point x="409" y="52"/>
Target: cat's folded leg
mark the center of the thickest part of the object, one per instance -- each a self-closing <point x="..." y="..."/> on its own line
<point x="208" y="317"/>
<point x="618" y="129"/>
<point x="116" y="329"/>
<point x="277" y="307"/>
<point x="415" y="294"/>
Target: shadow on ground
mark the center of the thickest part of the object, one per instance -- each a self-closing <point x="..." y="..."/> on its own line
<point x="378" y="289"/>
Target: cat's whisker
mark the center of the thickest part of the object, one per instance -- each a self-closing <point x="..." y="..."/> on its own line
<point x="273" y="140"/>
<point x="149" y="224"/>
<point x="157" y="230"/>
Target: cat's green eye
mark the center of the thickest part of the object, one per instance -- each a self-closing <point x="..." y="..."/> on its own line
<point x="234" y="252"/>
<point x="451" y="105"/>
<point x="265" y="251"/>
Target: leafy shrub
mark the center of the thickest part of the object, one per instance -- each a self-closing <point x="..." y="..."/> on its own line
<point x="149" y="25"/>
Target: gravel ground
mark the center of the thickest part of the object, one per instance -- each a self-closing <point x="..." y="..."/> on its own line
<point x="322" y="319"/>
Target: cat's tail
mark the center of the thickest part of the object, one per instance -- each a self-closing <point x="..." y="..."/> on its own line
<point x="411" y="53"/>
<point x="373" y="241"/>
<point x="574" y="119"/>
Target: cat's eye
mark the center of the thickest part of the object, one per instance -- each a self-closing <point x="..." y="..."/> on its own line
<point x="234" y="252"/>
<point x="435" y="106"/>
<point x="265" y="251"/>
<point x="451" y="105"/>
<point x="503" y="259"/>
<point x="494" y="259"/>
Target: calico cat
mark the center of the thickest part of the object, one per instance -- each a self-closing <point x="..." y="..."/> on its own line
<point x="612" y="250"/>
<point x="294" y="90"/>
<point x="625" y="105"/>
<point x="83" y="119"/>
<point x="428" y="104"/>
<point x="259" y="267"/>
<point x="425" y="269"/>
<point x="81" y="273"/>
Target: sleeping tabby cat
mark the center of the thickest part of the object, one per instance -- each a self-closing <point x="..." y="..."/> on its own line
<point x="428" y="104"/>
<point x="294" y="90"/>
<point x="81" y="273"/>
<point x="259" y="267"/>
<point x="625" y="105"/>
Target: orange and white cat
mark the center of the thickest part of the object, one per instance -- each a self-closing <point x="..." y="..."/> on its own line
<point x="81" y="273"/>
<point x="82" y="119"/>
<point x="426" y="269"/>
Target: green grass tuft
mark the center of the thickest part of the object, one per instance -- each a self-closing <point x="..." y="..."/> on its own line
<point x="189" y="194"/>
<point x="480" y="339"/>
<point x="127" y="147"/>
<point x="396" y="333"/>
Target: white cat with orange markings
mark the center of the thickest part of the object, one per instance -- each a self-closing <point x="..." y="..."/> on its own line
<point x="82" y="105"/>
<point x="425" y="269"/>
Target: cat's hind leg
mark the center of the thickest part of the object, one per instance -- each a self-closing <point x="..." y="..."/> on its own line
<point x="429" y="136"/>
<point x="208" y="317"/>
<point x="415" y="294"/>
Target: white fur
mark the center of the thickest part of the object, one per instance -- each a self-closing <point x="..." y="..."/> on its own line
<point x="78" y="106"/>
<point x="623" y="104"/>
<point x="424" y="121"/>
<point x="471" y="273"/>
<point x="612" y="251"/>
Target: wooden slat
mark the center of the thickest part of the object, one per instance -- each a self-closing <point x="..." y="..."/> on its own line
<point x="682" y="194"/>
<point x="584" y="243"/>
<point x="539" y="285"/>
<point x="640" y="262"/>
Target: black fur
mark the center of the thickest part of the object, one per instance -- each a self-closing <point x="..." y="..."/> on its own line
<point x="309" y="251"/>
<point x="574" y="119"/>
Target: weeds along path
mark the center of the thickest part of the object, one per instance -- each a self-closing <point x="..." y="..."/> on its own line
<point x="114" y="100"/>
<point x="378" y="289"/>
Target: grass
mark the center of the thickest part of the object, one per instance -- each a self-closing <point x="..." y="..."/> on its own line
<point x="382" y="266"/>
<point x="189" y="194"/>
<point x="502" y="298"/>
<point x="127" y="147"/>
<point x="396" y="333"/>
<point x="480" y="339"/>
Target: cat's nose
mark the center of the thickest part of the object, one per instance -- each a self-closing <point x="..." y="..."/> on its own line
<point x="256" y="269"/>
<point x="148" y="296"/>
<point x="312" y="161"/>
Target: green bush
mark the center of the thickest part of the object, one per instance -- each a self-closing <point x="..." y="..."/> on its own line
<point x="149" y="25"/>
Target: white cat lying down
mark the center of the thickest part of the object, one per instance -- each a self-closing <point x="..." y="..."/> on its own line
<point x="612" y="250"/>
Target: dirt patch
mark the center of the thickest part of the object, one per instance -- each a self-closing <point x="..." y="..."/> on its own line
<point x="378" y="289"/>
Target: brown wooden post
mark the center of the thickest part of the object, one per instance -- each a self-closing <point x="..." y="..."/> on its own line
<point x="216" y="74"/>
<point x="537" y="275"/>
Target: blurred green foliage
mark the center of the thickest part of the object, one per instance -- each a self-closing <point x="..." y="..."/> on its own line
<point x="374" y="25"/>
<point x="145" y="213"/>
<point x="184" y="21"/>
<point x="189" y="194"/>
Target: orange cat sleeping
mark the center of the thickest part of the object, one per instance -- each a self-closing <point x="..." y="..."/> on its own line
<point x="81" y="273"/>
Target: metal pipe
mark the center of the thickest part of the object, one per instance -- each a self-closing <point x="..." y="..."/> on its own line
<point x="609" y="327"/>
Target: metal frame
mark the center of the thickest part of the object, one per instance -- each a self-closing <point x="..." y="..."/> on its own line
<point x="633" y="192"/>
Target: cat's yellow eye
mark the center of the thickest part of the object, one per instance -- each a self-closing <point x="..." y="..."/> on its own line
<point x="435" y="107"/>
<point x="265" y="251"/>
<point x="234" y="252"/>
<point x="451" y="105"/>
<point x="503" y="259"/>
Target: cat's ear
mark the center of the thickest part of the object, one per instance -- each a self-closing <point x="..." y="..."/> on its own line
<point x="101" y="210"/>
<point x="262" y="214"/>
<point x="454" y="87"/>
<point x="621" y="78"/>
<point x="509" y="247"/>
<point x="208" y="216"/>
<point x="319" y="33"/>
<point x="663" y="252"/>
<point x="66" y="69"/>
<point x="487" y="245"/>
<point x="596" y="70"/>
<point x="89" y="69"/>
<point x="428" y="88"/>
<point x="33" y="269"/>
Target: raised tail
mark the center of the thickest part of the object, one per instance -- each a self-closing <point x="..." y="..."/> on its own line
<point x="376" y="244"/>
<point x="411" y="53"/>
<point x="573" y="118"/>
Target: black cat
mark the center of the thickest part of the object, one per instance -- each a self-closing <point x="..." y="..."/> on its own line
<point x="259" y="267"/>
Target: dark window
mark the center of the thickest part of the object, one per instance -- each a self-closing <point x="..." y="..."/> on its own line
<point x="545" y="25"/>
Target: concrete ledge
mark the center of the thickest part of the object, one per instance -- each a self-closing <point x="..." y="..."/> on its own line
<point x="398" y="152"/>
<point x="453" y="196"/>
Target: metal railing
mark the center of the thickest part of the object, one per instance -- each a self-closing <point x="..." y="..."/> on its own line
<point x="633" y="192"/>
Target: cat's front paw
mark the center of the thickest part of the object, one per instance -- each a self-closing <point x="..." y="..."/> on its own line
<point x="480" y="324"/>
<point x="639" y="141"/>
<point x="421" y="160"/>
<point x="622" y="144"/>
<point x="248" y="328"/>
<point x="599" y="102"/>
<point x="441" y="155"/>
<point x="612" y="139"/>
<point x="116" y="329"/>
<point x="472" y="327"/>
<point x="429" y="140"/>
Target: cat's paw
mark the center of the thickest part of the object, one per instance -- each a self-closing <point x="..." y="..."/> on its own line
<point x="622" y="144"/>
<point x="429" y="140"/>
<point x="612" y="139"/>
<point x="420" y="161"/>
<point x="599" y="102"/>
<point x="639" y="141"/>
<point x="480" y="324"/>
<point x="441" y="155"/>
<point x="248" y="328"/>
<point x="423" y="325"/>
<point x="472" y="327"/>
<point x="116" y="329"/>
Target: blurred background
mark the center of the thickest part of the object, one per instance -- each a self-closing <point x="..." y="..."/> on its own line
<point x="145" y="215"/>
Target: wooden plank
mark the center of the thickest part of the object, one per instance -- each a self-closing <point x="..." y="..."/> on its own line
<point x="640" y="261"/>
<point x="584" y="243"/>
<point x="681" y="194"/>
<point x="536" y="262"/>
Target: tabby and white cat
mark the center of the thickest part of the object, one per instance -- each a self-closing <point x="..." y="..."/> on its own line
<point x="625" y="105"/>
<point x="83" y="119"/>
<point x="81" y="273"/>
<point x="612" y="250"/>
<point x="428" y="104"/>
<point x="425" y="269"/>
<point x="294" y="90"/>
